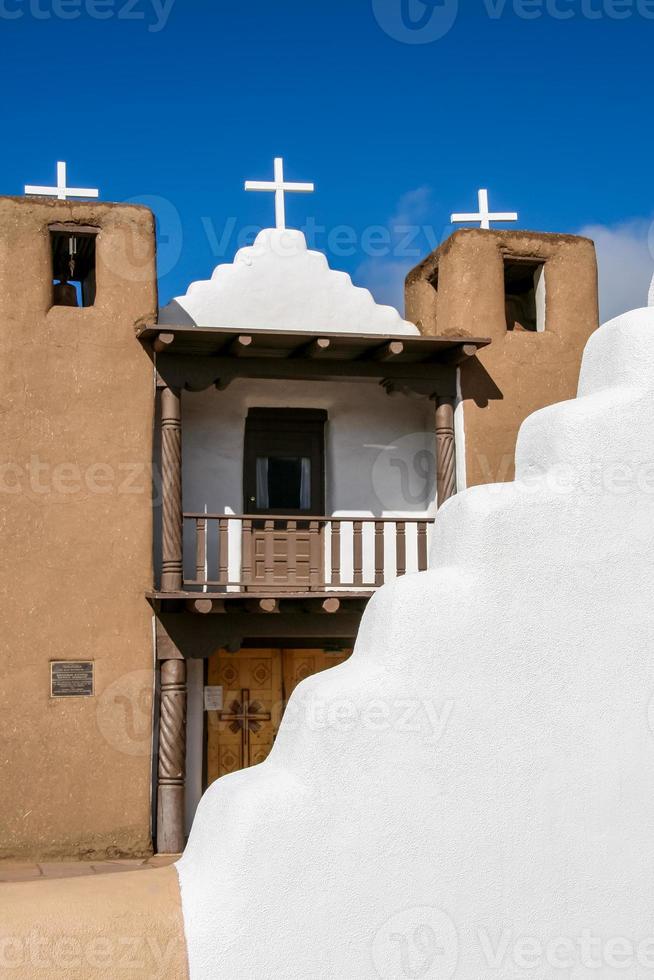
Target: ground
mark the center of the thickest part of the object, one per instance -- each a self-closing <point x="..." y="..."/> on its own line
<point x="28" y="870"/>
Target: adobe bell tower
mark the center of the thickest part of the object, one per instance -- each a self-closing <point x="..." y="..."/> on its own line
<point x="535" y="296"/>
<point x="76" y="420"/>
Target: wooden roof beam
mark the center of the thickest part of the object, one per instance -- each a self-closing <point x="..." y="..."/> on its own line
<point x="240" y="346"/>
<point x="388" y="351"/>
<point x="163" y="341"/>
<point x="266" y="606"/>
<point x="320" y="347"/>
<point x="459" y="354"/>
<point x="203" y="607"/>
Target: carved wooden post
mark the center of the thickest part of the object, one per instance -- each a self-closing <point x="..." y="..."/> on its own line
<point x="445" y="457"/>
<point x="171" y="489"/>
<point x="172" y="757"/>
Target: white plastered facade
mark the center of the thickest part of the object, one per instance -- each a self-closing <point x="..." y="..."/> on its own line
<point x="380" y="450"/>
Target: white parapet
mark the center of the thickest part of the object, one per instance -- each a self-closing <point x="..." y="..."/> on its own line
<point x="279" y="284"/>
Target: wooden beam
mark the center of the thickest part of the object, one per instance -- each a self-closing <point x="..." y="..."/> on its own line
<point x="235" y="598"/>
<point x="319" y="347"/>
<point x="319" y="605"/>
<point x="201" y="636"/>
<point x="202" y="372"/>
<point x="459" y="354"/>
<point x="388" y="351"/>
<point x="240" y="345"/>
<point x="72" y="228"/>
<point x="163" y="342"/>
<point x="218" y="336"/>
<point x="204" y="607"/>
<point x="201" y="606"/>
<point x="269" y="605"/>
<point x="262" y="605"/>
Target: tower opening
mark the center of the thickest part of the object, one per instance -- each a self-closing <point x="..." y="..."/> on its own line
<point x="73" y="265"/>
<point x="524" y="294"/>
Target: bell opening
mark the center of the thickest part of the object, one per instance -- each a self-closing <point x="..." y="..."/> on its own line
<point x="73" y="265"/>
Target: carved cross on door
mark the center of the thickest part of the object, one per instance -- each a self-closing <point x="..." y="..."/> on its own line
<point x="245" y="716"/>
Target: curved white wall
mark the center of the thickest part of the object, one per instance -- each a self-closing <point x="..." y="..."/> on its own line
<point x="470" y="795"/>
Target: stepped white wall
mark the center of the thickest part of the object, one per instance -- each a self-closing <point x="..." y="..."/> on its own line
<point x="470" y="795"/>
<point x="279" y="284"/>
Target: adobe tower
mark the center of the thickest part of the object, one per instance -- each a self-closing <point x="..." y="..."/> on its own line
<point x="76" y="281"/>
<point x="535" y="296"/>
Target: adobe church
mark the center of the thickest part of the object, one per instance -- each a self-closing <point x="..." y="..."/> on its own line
<point x="199" y="500"/>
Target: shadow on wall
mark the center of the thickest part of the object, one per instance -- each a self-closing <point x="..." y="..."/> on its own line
<point x="479" y="386"/>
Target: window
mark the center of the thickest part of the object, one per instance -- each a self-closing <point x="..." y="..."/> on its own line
<point x="72" y="249"/>
<point x="524" y="294"/>
<point x="284" y="461"/>
<point x="283" y="483"/>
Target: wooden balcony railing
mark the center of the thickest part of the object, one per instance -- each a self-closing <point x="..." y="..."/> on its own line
<point x="290" y="554"/>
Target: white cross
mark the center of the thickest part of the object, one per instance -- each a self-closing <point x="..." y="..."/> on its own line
<point x="484" y="216"/>
<point x="279" y="187"/>
<point x="61" y="191"/>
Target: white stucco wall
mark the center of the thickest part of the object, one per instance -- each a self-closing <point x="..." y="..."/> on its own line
<point x="380" y="455"/>
<point x="470" y="795"/>
<point x="280" y="284"/>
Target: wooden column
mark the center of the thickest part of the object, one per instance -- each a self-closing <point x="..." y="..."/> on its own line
<point x="172" y="757"/>
<point x="445" y="456"/>
<point x="171" y="489"/>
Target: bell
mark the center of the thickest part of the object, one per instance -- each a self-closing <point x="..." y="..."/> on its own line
<point x="64" y="294"/>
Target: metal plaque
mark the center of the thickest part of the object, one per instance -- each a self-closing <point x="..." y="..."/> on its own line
<point x="72" y="679"/>
<point x="213" y="698"/>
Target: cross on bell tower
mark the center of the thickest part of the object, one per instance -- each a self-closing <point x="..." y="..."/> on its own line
<point x="485" y="217"/>
<point x="61" y="192"/>
<point x="279" y="186"/>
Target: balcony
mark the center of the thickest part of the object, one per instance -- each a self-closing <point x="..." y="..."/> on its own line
<point x="282" y="555"/>
<point x="237" y="555"/>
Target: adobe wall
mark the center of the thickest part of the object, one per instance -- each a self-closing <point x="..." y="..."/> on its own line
<point x="521" y="371"/>
<point x="76" y="419"/>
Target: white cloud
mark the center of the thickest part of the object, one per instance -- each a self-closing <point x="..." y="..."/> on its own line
<point x="385" y="280"/>
<point x="625" y="258"/>
<point x="412" y="237"/>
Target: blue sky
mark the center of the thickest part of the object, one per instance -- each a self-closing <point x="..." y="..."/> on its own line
<point x="175" y="102"/>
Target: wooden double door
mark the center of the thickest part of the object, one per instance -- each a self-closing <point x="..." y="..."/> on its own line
<point x="256" y="687"/>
